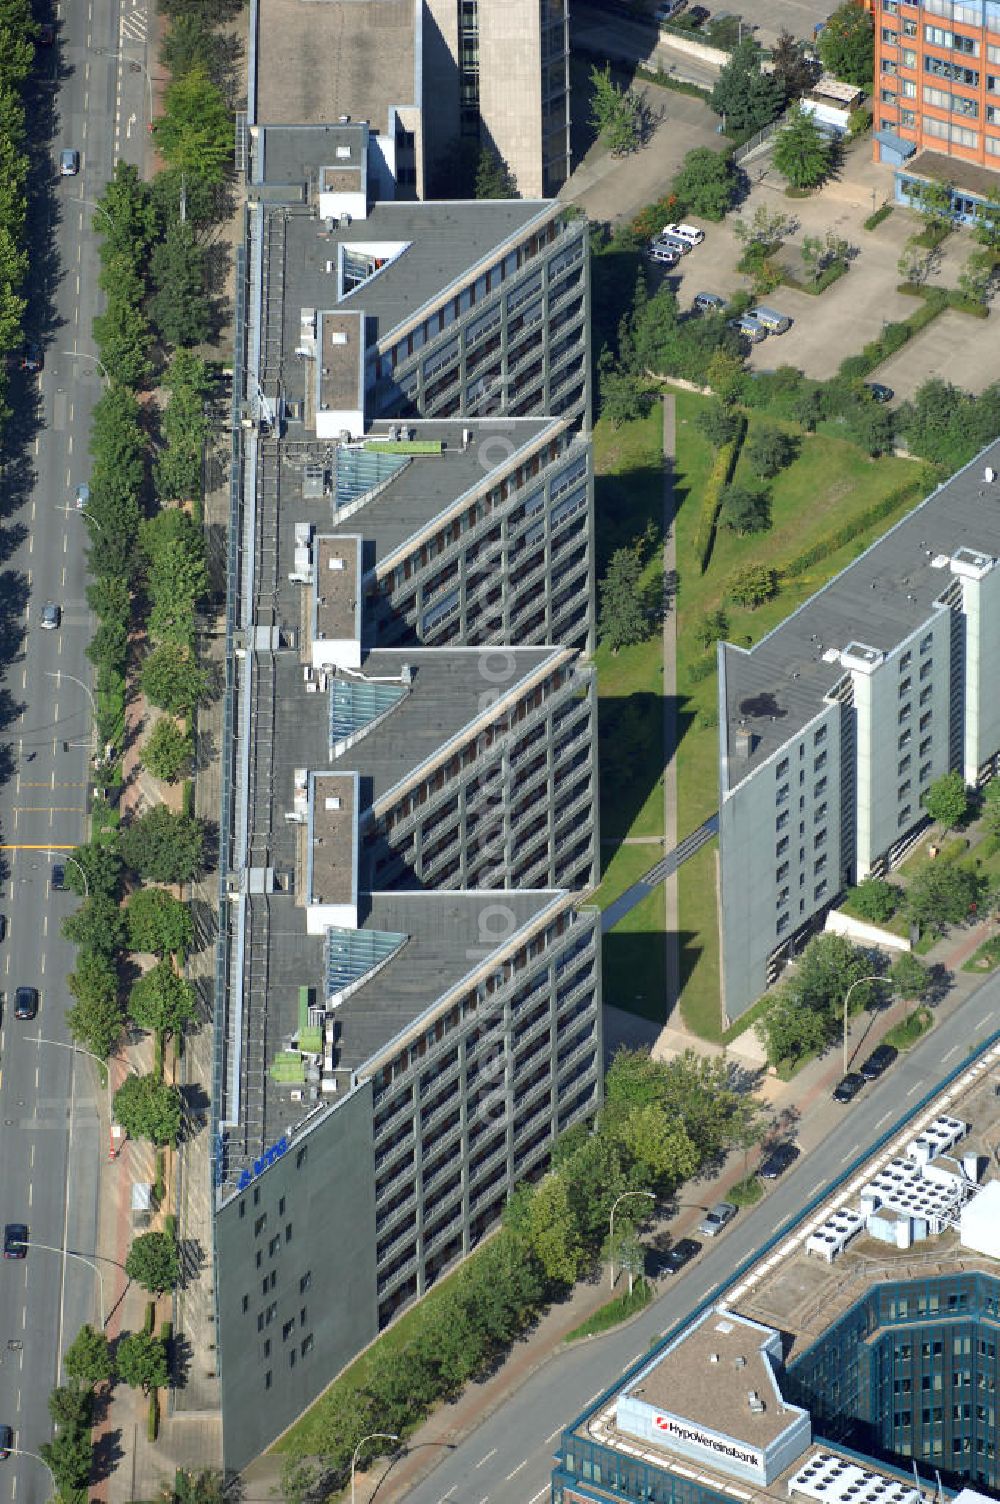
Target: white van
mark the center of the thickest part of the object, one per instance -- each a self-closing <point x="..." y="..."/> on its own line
<point x="690" y="233"/>
<point x="774" y="322"/>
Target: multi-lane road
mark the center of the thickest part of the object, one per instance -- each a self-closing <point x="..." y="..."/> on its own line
<point x="51" y="1143"/>
<point x="508" y="1459"/>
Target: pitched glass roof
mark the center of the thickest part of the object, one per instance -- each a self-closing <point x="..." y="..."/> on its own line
<point x="362" y="470"/>
<point x="353" y="955"/>
<point x="355" y="704"/>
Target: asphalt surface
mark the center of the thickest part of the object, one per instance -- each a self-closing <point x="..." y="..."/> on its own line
<point x="508" y="1459"/>
<point x="51" y="1143"/>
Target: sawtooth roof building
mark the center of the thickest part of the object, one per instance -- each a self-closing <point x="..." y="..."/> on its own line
<point x="408" y="981"/>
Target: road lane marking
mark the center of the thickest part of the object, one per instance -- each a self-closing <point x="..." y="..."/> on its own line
<point x="952" y="1051"/>
<point x="482" y="1460"/>
<point x="445" y="1497"/>
<point x="883" y="1119"/>
<point x="982" y="1024"/>
<point x="540" y="1495"/>
<point x="31" y="1158"/>
<point x="31" y="1191"/>
<point x="514" y="1474"/>
<point x="914" y="1089"/>
<point x="555" y="1433"/>
<point x="43" y="963"/>
<point x="850" y="1154"/>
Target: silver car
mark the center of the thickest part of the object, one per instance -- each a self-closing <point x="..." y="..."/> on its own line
<point x="719" y="1217"/>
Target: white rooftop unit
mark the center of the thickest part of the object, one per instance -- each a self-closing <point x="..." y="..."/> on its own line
<point x="937" y="1138"/>
<point x="833" y="1235"/>
<point x="829" y="1479"/>
<point x="979" y="1224"/>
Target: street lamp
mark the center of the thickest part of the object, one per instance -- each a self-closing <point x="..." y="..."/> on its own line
<point x="886" y="980"/>
<point x="64" y="857"/>
<point x="60" y="673"/>
<point x="71" y="1253"/>
<point x="611" y="1238"/>
<point x="77" y="1049"/>
<point x="23" y="1452"/>
<point x="135" y="64"/>
<point x="372" y="1436"/>
<point x="91" y="204"/>
<point x="79" y="355"/>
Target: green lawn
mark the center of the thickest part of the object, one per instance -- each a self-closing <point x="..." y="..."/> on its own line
<point x="634" y="959"/>
<point x="628" y="495"/>
<point x="623" y="866"/>
<point x="697" y="914"/>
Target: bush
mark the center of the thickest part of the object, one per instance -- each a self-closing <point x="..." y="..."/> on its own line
<point x="874" y="899"/>
<point x="150" y="1318"/>
<point x="711" y="498"/>
<point x="701" y="668"/>
<point x="882" y="212"/>
<point x="921" y="484"/>
<point x="153" y="1418"/>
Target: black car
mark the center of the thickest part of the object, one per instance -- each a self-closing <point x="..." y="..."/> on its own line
<point x="26" y="1002"/>
<point x="58" y="878"/>
<point x="15" y="1240"/>
<point x="3" y="926"/>
<point x="881" y="393"/>
<point x="31" y="357"/>
<point x="699" y="14"/>
<point x="6" y="1442"/>
<point x="780" y="1157"/>
<point x="847" y="1089"/>
<point x="878" y="1061"/>
<point x="680" y="1254"/>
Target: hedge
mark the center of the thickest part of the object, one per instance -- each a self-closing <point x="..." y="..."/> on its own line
<point x="953" y="298"/>
<point x="882" y="212"/>
<point x="153" y="1418"/>
<point x="826" y="279"/>
<point x="150" y="1318"/>
<point x="920" y="484"/>
<point x="711" y="498"/>
<point x="895" y="336"/>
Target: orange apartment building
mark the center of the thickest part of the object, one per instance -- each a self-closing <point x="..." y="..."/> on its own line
<point x="937" y="95"/>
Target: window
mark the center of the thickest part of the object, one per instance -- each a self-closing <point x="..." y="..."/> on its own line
<point x="781" y="872"/>
<point x="782" y="899"/>
<point x="246" y="1304"/>
<point x="782" y="795"/>
<point x="905" y="661"/>
<point x="904" y="815"/>
<point x="992" y="144"/>
<point x="904" y="740"/>
<point x="926" y="693"/>
<point x="300" y="1157"/>
<point x="781" y="847"/>
<point x="907" y="117"/>
<point x="926" y="643"/>
<point x="926" y="719"/>
<point x="819" y="762"/>
<point x="819" y="788"/>
<point x="904" y="763"/>
<point x="292" y="1356"/>
<point x="782" y="923"/>
<point x="287" y="1329"/>
<point x="259" y="1258"/>
<point x="243" y="1209"/>
<point x="819" y="863"/>
<point x="782" y="820"/>
<point x="905" y="712"/>
<point x="307" y="1344"/>
<point x="909" y="58"/>
<point x="267" y="1379"/>
<point x="782" y="768"/>
<point x="820" y="838"/>
<point x="909" y="28"/>
<point x="281" y="1206"/>
<point x="820" y="813"/>
<point x="909" y="88"/>
<point x="887" y="97"/>
<point x="305" y="1282"/>
<point x="260" y="1322"/>
<point x="888" y="35"/>
<point x="267" y="1348"/>
<point x="260" y="1224"/>
<point x="903" y="689"/>
<point x="925" y="771"/>
<point x="904" y="788"/>
<point x="819" y="890"/>
<point x="256" y="1195"/>
<point x="288" y="1232"/>
<point x="820" y="737"/>
<point x="925" y="668"/>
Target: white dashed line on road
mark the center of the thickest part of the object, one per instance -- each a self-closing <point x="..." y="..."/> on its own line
<point x="952" y="1051"/>
<point x="883" y="1119"/>
<point x="514" y="1474"/>
<point x="914" y="1089"/>
<point x="485" y="1459"/>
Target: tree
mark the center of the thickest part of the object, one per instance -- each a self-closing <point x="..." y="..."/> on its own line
<point x="847" y="45"/>
<point x="916" y="262"/>
<point x="101" y="865"/>
<point x="172" y="680"/>
<point x="942" y="893"/>
<point x="158" y="922"/>
<point x="658" y="1150"/>
<point x="752" y="585"/>
<point x="875" y="899"/>
<point x="744" y="511"/>
<point x="198" y="1488"/>
<point x="791" y="66"/>
<point x="69" y="1455"/>
<point x="190" y="42"/>
<point x="718" y="424"/>
<point x="935" y="202"/>
<point x="615" y="112"/>
<point x="148" y="1109"/>
<point x="184" y="426"/>
<point x="747" y="98"/>
<point x="162" y="1000"/>
<point x="71" y="1407"/>
<point x="494" y="178"/>
<point x="167" y="751"/>
<point x="623" y="397"/>
<point x="98" y="925"/>
<point x="991" y="809"/>
<point x="706" y="185"/>
<point x="88" y="1357"/>
<point x="624" y="619"/>
<point x="803" y="152"/>
<point x="180" y="305"/>
<point x="768" y="228"/>
<point x="552" y="1231"/>
<point x="154" y="1262"/>
<point x="909" y="978"/>
<point x="713" y="628"/>
<point x="827" y="969"/>
<point x="787" y="1031"/>
<point x="96" y="1018"/>
<point x="178" y="578"/>
<point x="947" y="799"/>
<point x="769" y="449"/>
<point x="196" y="133"/>
<point x="975" y="280"/>
<point x="163" y="847"/>
<point x="142" y="1362"/>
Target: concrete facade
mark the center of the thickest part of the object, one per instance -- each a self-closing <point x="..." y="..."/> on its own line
<point x="836" y="723"/>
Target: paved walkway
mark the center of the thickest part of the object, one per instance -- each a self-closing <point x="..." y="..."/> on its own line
<point x="672" y="924"/>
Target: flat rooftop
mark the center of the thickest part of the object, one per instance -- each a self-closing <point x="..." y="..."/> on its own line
<point x="337" y="608"/>
<point x="333" y="852"/>
<point x="777" y="687"/>
<point x="966" y="176"/>
<point x="707" y="1375"/>
<point x="320" y="59"/>
<point x="426" y="487"/>
<point x="342" y="362"/>
<point x="288" y="156"/>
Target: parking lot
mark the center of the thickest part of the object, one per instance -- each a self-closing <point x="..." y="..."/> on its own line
<point x="853" y="310"/>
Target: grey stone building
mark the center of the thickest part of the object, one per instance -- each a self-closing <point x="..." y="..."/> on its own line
<point x="408" y="986"/>
<point x="832" y="728"/>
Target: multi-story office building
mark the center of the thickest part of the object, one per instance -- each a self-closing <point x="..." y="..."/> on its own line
<point x="841" y="1367"/>
<point x="499" y="75"/>
<point x="834" y="725"/>
<point x="408" y="989"/>
<point x="436" y="82"/>
<point x="379" y="308"/>
<point x="937" y="97"/>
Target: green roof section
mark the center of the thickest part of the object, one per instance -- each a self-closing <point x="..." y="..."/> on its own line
<point x="288" y="1068"/>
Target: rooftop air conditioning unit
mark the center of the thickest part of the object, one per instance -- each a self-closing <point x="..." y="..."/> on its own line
<point x="296" y="1094"/>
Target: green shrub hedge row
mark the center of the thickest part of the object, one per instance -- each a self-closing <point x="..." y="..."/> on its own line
<point x="921" y="482"/>
<point x="882" y="212"/>
<point x="895" y="336"/>
<point x="711" y="498"/>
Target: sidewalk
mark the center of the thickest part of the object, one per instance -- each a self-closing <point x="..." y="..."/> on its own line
<point x="793" y="1104"/>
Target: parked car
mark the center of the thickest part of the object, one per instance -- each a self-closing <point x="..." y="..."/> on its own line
<point x="82" y="496"/>
<point x="15" y="1240"/>
<point x="31" y="357"/>
<point x="690" y="233"/>
<point x="674" y="242"/>
<point x="663" y="254"/>
<point x="773" y="321"/>
<point x="51" y="616"/>
<point x="6" y="1442"/>
<point x="69" y="163"/>
<point x="878" y="1062"/>
<point x="879" y="392"/>
<point x="675" y="1258"/>
<point x="780" y="1157"/>
<point x="719" y="1217"/>
<point x="46" y="34"/>
<point x="58" y="878"/>
<point x="3" y="926"/>
<point x="708" y="302"/>
<point x="751" y="329"/>
<point x="848" y="1087"/>
<point x="699" y="14"/>
<point x="26" y="1002"/>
